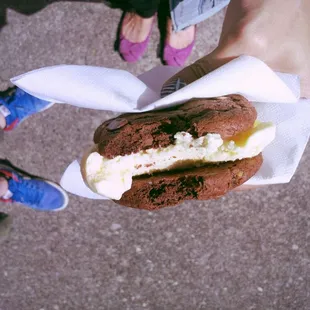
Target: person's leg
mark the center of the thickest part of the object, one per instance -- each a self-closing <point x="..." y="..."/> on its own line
<point x="5" y="219"/>
<point x="16" y="186"/>
<point x="180" y="39"/>
<point x="4" y="186"/>
<point x="2" y="121"/>
<point x="136" y="28"/>
<point x="144" y="8"/>
<point x="177" y="45"/>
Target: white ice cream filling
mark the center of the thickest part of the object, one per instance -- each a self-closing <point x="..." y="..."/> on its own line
<point x="113" y="177"/>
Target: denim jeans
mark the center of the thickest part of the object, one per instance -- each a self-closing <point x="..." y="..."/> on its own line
<point x="185" y="13"/>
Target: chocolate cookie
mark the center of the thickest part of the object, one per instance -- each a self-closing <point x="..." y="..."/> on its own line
<point x="131" y="133"/>
<point x="172" y="188"/>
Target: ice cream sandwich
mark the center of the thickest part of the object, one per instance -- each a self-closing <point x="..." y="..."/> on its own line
<point x="198" y="150"/>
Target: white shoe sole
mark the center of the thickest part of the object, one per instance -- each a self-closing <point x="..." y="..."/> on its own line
<point x="65" y="195"/>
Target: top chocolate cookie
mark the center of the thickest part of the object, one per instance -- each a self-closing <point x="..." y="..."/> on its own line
<point x="131" y="133"/>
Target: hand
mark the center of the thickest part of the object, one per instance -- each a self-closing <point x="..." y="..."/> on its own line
<point x="275" y="31"/>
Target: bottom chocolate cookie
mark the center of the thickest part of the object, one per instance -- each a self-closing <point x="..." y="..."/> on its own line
<point x="171" y="188"/>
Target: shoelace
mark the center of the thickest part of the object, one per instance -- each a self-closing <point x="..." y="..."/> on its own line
<point x="28" y="192"/>
<point x="6" y="100"/>
<point x="20" y="110"/>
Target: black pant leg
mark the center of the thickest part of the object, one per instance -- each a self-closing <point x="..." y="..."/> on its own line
<point x="145" y="8"/>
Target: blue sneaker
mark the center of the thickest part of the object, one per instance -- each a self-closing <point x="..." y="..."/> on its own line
<point x="17" y="105"/>
<point x="30" y="191"/>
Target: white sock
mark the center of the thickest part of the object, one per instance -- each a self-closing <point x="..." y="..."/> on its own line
<point x="7" y="195"/>
<point x="4" y="111"/>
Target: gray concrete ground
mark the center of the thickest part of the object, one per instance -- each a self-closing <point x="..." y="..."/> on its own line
<point x="245" y="251"/>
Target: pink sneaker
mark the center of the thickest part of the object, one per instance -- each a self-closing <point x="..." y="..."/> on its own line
<point x="130" y="51"/>
<point x="176" y="57"/>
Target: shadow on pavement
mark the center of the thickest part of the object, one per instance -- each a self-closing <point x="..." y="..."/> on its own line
<point x="29" y="7"/>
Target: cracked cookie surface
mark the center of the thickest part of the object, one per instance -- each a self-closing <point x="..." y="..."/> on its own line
<point x="172" y="188"/>
<point x="131" y="133"/>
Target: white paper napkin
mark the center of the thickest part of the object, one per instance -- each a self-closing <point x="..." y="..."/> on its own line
<point x="274" y="95"/>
